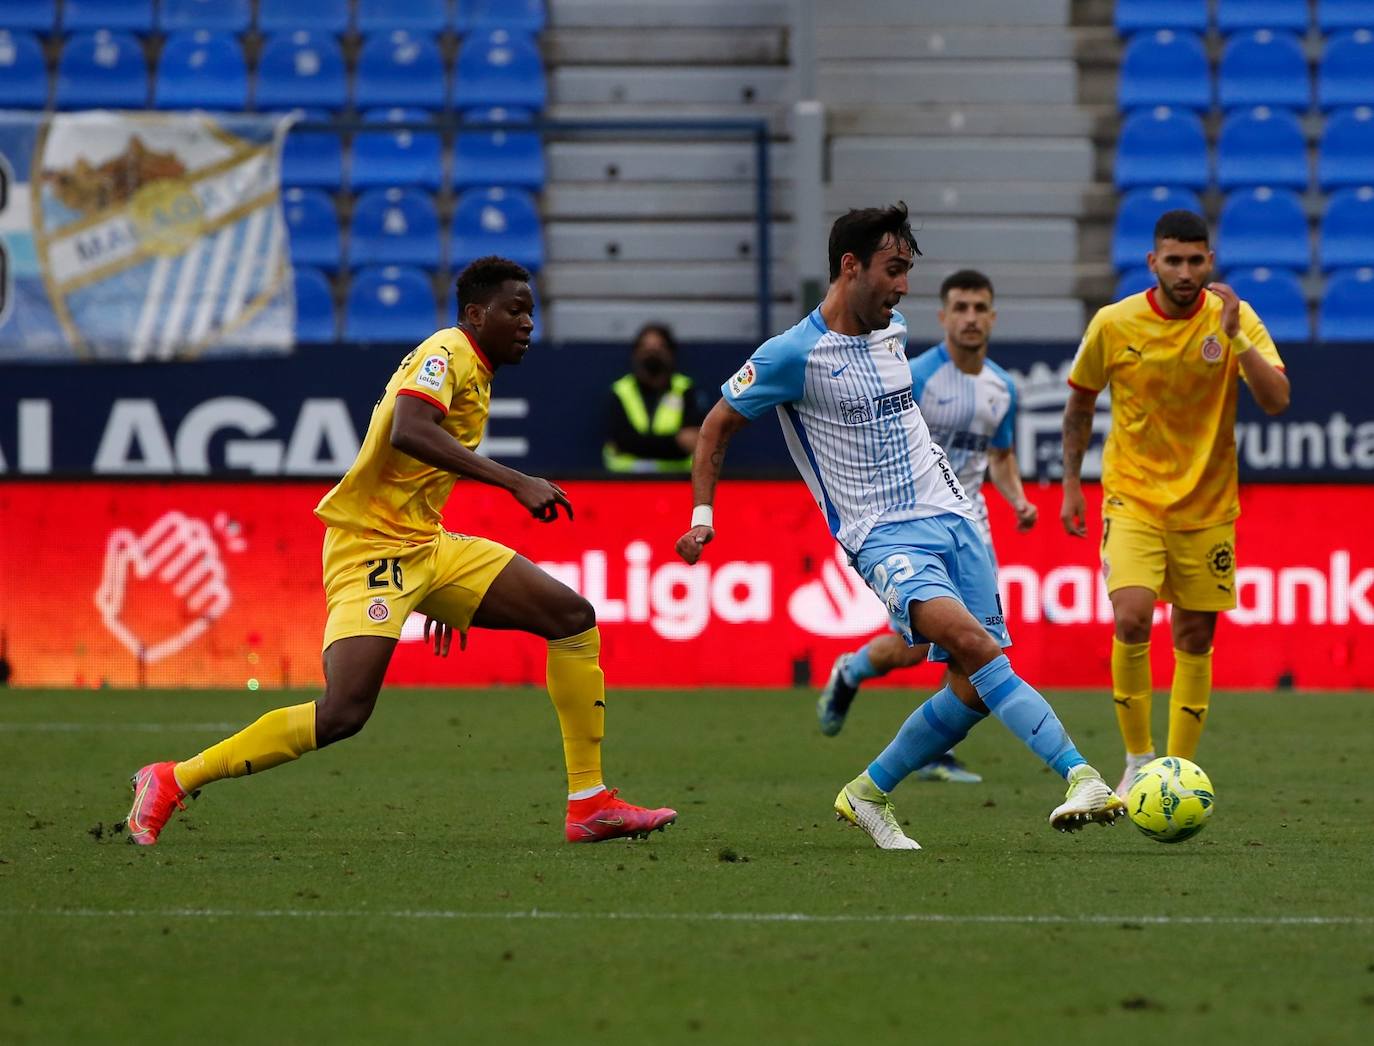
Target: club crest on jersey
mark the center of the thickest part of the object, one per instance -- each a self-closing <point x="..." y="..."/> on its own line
<point x="742" y="379"/>
<point x="431" y="372"/>
<point x="1211" y="348"/>
<point x="893" y="346"/>
<point x="378" y="610"/>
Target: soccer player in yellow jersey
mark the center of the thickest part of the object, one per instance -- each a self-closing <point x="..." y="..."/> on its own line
<point x="1171" y="357"/>
<point x="386" y="553"/>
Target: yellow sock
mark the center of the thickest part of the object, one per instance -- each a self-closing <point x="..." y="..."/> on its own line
<point x="1188" y="700"/>
<point x="277" y="737"/>
<point x="1131" y="690"/>
<point x="578" y="689"/>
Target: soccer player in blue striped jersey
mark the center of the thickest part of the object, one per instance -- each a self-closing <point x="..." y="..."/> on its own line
<point x="969" y="402"/>
<point x="842" y="388"/>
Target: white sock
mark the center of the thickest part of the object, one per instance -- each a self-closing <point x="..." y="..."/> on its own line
<point x="586" y="793"/>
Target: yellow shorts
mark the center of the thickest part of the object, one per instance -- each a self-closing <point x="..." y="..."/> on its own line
<point x="1192" y="569"/>
<point x="371" y="584"/>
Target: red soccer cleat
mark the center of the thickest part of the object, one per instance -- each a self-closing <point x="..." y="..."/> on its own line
<point x="603" y="816"/>
<point x="156" y="797"/>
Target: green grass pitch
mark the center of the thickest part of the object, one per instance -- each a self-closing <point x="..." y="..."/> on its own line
<point x="412" y="884"/>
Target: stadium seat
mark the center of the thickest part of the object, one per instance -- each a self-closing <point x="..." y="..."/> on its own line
<point x="1162" y="147"/>
<point x="301" y="68"/>
<point x="319" y="16"/>
<point x="476" y="16"/>
<point x="1133" y="235"/>
<point x="1133" y="16"/>
<point x="499" y="68"/>
<point x="1165" y="67"/>
<point x="313" y="157"/>
<point x="382" y="158"/>
<point x="23" y="73"/>
<point x="482" y="158"/>
<point x="1346" y="73"/>
<point x="395" y="227"/>
<point x="1133" y="281"/>
<point x="1264" y="68"/>
<point x="1262" y="146"/>
<point x="399" y="68"/>
<point x="102" y="70"/>
<point x="201" y="69"/>
<point x="497" y="221"/>
<point x="1346" y="154"/>
<point x="227" y="16"/>
<point x="390" y="303"/>
<point x="88" y="15"/>
<point x="1347" y="307"/>
<point x="314" y="227"/>
<point x="1243" y="15"/>
<point x="38" y="15"/>
<point x="1347" y="229"/>
<point x="315" y="319"/>
<point x="1334" y="16"/>
<point x="1277" y="296"/>
<point x="418" y="16"/>
<point x="1264" y="227"/>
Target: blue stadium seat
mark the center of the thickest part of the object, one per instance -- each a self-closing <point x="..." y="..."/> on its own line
<point x="476" y="16"/>
<point x="1133" y="281"/>
<point x="399" y="68"/>
<point x="1277" y="296"/>
<point x="1262" y="147"/>
<point x="315" y="319"/>
<point x="1347" y="308"/>
<point x="1134" y="233"/>
<point x="1264" y="68"/>
<point x="1346" y="153"/>
<point x="229" y="16"/>
<point x="382" y="158"/>
<point x="86" y="15"/>
<point x="1241" y="15"/>
<point x="314" y="227"/>
<point x="496" y="221"/>
<point x="499" y="68"/>
<point x="1165" y="67"/>
<point x="1336" y="15"/>
<point x="201" y="69"/>
<point x="482" y="158"/>
<point x="1263" y="227"/>
<point x="320" y="16"/>
<point x="1162" y="146"/>
<point x="1347" y="229"/>
<point x="390" y="303"/>
<point x="301" y="68"/>
<point x="23" y="73"/>
<point x="1346" y="73"/>
<point x="102" y="70"/>
<point x="38" y="15"/>
<point x="1133" y="16"/>
<point x="419" y="16"/>
<point x="313" y="157"/>
<point x="395" y="227"/>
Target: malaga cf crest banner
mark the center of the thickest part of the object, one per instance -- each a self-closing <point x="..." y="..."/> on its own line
<point x="131" y="236"/>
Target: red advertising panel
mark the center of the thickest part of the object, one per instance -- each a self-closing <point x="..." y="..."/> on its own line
<point x="218" y="584"/>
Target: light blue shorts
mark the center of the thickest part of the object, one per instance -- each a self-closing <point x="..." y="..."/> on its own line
<point x="921" y="559"/>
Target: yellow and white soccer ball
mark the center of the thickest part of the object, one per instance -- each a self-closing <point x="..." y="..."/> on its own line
<point x="1170" y="799"/>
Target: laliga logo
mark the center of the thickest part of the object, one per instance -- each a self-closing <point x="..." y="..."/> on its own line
<point x="837" y="604"/>
<point x="175" y="562"/>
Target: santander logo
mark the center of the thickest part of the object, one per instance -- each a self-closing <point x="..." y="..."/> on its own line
<point x="837" y="604"/>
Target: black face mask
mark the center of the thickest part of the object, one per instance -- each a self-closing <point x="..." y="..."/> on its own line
<point x="654" y="367"/>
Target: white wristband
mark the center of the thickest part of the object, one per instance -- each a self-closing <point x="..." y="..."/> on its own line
<point x="702" y="517"/>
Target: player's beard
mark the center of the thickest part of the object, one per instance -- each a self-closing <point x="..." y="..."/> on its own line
<point x="1185" y="299"/>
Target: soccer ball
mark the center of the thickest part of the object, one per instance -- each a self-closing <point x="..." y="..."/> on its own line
<point x="1170" y="799"/>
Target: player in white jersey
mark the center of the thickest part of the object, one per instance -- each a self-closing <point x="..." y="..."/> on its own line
<point x="969" y="402"/>
<point x="842" y="388"/>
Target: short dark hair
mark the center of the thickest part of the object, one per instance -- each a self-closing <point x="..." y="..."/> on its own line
<point x="483" y="278"/>
<point x="966" y="280"/>
<point x="861" y="233"/>
<point x="1183" y="226"/>
<point x="662" y="330"/>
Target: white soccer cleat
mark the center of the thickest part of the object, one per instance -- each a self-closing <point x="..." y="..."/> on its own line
<point x="1087" y="801"/>
<point x="1133" y="765"/>
<point x="865" y="805"/>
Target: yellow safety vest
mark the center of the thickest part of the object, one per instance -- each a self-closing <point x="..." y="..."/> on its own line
<point x="667" y="420"/>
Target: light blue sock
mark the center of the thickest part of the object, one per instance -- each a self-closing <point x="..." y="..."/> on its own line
<point x="934" y="728"/>
<point x="1026" y="713"/>
<point x="859" y="667"/>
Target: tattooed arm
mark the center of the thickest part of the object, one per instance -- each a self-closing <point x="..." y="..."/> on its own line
<point x="1078" y="432"/>
<point x="709" y="458"/>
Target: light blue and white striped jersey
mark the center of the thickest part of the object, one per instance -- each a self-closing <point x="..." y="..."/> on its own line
<point x="852" y="424"/>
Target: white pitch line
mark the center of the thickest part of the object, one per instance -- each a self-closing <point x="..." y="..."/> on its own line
<point x="537" y="915"/>
<point x="142" y="728"/>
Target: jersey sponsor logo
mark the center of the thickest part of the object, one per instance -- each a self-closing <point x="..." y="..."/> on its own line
<point x="947" y="473"/>
<point x="742" y="379"/>
<point x="950" y="440"/>
<point x="1211" y="348"/>
<point x="891" y="403"/>
<point x="856" y="411"/>
<point x="431" y="372"/>
<point x="378" y="610"/>
<point x="1221" y="560"/>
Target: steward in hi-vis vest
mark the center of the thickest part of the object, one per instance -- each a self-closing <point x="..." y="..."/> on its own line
<point x="654" y="413"/>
